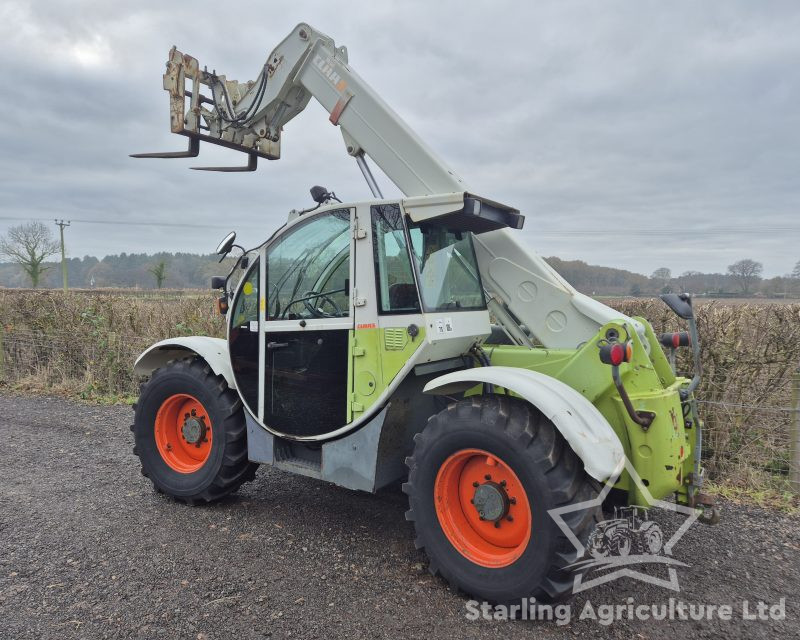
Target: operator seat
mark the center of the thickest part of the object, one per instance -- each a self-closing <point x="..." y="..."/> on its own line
<point x="403" y="295"/>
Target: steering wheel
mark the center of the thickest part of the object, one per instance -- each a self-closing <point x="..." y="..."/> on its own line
<point x="315" y="312"/>
<point x="323" y="298"/>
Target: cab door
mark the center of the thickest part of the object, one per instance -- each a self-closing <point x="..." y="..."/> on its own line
<point x="307" y="318"/>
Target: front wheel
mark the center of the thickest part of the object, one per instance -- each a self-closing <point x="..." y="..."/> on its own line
<point x="190" y="433"/>
<point x="482" y="478"/>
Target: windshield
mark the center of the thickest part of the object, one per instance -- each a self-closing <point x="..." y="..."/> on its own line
<point x="308" y="269"/>
<point x="446" y="269"/>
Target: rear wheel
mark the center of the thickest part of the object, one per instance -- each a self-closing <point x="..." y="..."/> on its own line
<point x="482" y="478"/>
<point x="190" y="433"/>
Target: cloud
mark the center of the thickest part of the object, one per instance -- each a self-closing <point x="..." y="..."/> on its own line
<point x="635" y="135"/>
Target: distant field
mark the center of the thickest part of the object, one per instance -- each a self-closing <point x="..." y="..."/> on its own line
<point x="125" y="291"/>
<point x="749" y="300"/>
<point x="706" y="299"/>
<point x="84" y="344"/>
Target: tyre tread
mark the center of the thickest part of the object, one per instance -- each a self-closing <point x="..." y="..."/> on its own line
<point x="530" y="430"/>
<point x="235" y="468"/>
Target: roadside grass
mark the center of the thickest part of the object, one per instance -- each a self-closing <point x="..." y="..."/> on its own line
<point x="83" y="346"/>
<point x="783" y="500"/>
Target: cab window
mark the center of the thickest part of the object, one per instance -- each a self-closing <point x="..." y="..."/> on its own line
<point x="397" y="291"/>
<point x="308" y="269"/>
<point x="245" y="310"/>
<point x="447" y="270"/>
<point x="243" y="338"/>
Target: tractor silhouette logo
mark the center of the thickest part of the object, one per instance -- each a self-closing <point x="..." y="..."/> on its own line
<point x="626" y="540"/>
<point x="629" y="532"/>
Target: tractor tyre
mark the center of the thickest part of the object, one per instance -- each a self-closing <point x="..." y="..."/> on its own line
<point x="483" y="475"/>
<point x="190" y="433"/>
<point x="650" y="538"/>
<point x="622" y="543"/>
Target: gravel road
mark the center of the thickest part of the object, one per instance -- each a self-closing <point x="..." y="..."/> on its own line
<point x="88" y="550"/>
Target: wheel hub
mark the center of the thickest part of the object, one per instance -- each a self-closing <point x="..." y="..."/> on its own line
<point x="183" y="433"/>
<point x="483" y="508"/>
<point x="193" y="430"/>
<point x="491" y="501"/>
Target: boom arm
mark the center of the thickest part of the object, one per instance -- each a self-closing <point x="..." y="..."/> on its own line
<point x="250" y="117"/>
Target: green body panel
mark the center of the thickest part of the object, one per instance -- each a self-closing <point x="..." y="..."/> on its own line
<point x="663" y="454"/>
<point x="376" y="357"/>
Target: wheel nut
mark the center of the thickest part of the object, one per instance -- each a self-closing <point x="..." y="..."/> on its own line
<point x="488" y="477"/>
<point x="497" y="524"/>
<point x="510" y="518"/>
<point x="502" y="483"/>
<point x="512" y="500"/>
<point x="476" y="484"/>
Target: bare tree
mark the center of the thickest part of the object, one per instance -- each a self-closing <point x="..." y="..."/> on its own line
<point x="662" y="274"/>
<point x="794" y="278"/>
<point x="746" y="272"/>
<point x="29" y="245"/>
<point x="691" y="281"/>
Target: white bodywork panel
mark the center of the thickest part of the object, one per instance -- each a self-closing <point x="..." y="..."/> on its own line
<point x="422" y="208"/>
<point x="371" y="124"/>
<point x="558" y="316"/>
<point x="578" y="420"/>
<point x="213" y="350"/>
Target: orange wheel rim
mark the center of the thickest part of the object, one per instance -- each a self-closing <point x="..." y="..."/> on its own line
<point x="183" y="433"/>
<point x="482" y="508"/>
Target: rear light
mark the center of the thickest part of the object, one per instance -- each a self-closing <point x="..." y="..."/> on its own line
<point x="615" y="353"/>
<point x="222" y="305"/>
<point x="675" y="340"/>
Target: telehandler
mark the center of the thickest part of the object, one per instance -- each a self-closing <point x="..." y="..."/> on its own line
<point x="414" y="339"/>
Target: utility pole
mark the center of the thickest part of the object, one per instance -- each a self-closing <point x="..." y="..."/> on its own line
<point x="61" y="224"/>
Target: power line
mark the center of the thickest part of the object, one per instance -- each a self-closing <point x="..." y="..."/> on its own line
<point x="681" y="232"/>
<point x="688" y="234"/>
<point x="147" y="223"/>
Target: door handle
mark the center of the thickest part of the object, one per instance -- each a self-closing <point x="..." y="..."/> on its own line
<point x="276" y="345"/>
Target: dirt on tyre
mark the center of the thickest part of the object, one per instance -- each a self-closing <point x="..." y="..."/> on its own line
<point x="482" y="478"/>
<point x="190" y="433"/>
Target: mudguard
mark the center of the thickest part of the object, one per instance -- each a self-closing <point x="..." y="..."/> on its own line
<point x="213" y="350"/>
<point x="578" y="420"/>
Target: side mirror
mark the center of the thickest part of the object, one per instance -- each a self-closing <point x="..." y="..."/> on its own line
<point x="218" y="282"/>
<point x="224" y="247"/>
<point x="319" y="194"/>
<point x="681" y="304"/>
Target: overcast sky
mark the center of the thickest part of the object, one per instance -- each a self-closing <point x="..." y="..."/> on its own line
<point x="633" y="134"/>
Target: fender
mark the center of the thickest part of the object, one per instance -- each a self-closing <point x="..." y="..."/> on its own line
<point x="578" y="420"/>
<point x="213" y="350"/>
